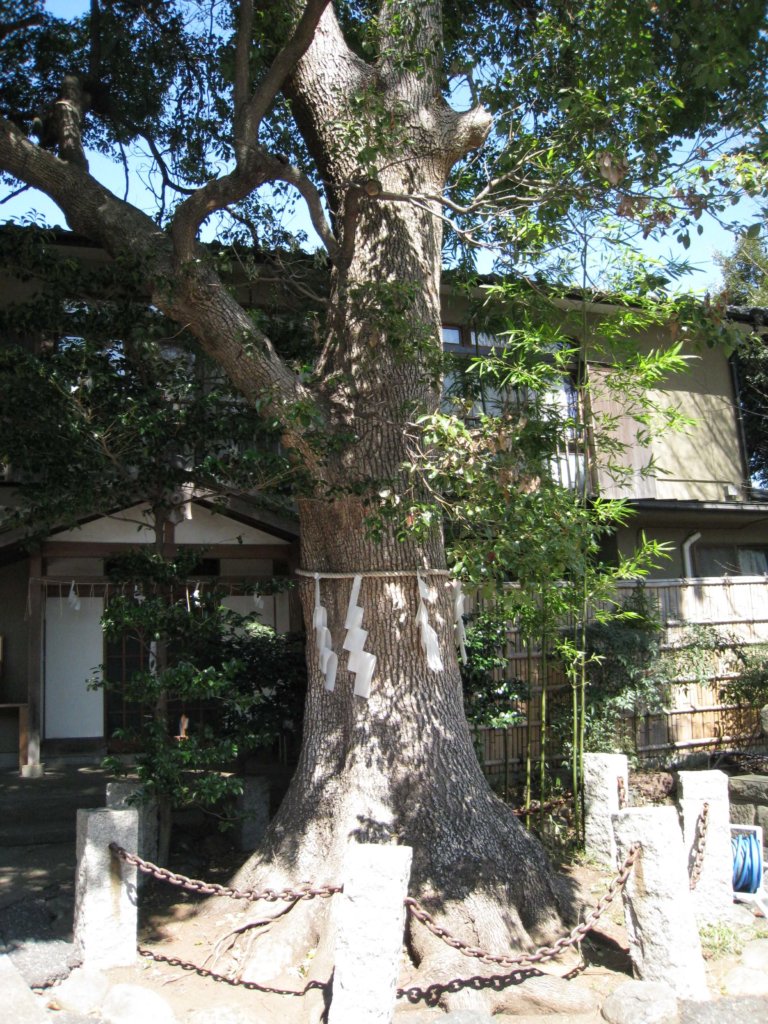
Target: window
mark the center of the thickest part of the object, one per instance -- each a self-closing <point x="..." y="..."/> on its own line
<point x="452" y="336"/>
<point x="123" y="659"/>
<point x="730" y="560"/>
<point x="482" y="339"/>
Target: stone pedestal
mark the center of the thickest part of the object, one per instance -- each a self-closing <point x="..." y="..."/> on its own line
<point x="658" y="906"/>
<point x="713" y="894"/>
<point x="126" y="795"/>
<point x="601" y="801"/>
<point x="105" y="889"/>
<point x="370" y="920"/>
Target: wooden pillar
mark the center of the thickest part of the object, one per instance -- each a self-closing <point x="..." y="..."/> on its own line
<point x="35" y="660"/>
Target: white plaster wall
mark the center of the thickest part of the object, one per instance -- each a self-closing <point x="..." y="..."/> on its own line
<point x="74" y="647"/>
<point x="274" y="610"/>
<point x="128" y="527"/>
<point x="213" y="528"/>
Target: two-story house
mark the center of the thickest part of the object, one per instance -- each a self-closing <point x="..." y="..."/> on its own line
<point x="697" y="498"/>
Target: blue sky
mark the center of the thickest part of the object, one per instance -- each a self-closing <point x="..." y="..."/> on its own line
<point x="701" y="254"/>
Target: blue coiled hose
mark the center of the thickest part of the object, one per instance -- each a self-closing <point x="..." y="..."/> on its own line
<point x="747" y="862"/>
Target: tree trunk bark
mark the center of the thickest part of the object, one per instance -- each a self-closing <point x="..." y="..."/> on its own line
<point x="399" y="766"/>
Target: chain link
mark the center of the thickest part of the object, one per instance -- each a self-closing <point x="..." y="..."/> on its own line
<point x="699" y="845"/>
<point x="622" y="792"/>
<point x="308" y="891"/>
<point x="536" y="808"/>
<point x="303" y="892"/>
<point x="544" y="953"/>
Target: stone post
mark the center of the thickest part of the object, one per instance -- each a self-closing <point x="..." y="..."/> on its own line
<point x="713" y="894"/>
<point x="20" y="1005"/>
<point x="658" y="906"/>
<point x="119" y="798"/>
<point x="105" y="889"/>
<point x="253" y="805"/>
<point x="370" y="921"/>
<point x="601" y="801"/>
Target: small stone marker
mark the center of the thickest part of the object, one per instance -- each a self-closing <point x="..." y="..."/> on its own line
<point x="370" y="922"/>
<point x="713" y="894"/>
<point x="253" y="805"/>
<point x="105" y="888"/>
<point x="658" y="906"/>
<point x="601" y="801"/>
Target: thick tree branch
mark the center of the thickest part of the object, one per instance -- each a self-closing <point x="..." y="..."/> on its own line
<point x="284" y="63"/>
<point x="242" y="77"/>
<point x="214" y="195"/>
<point x="328" y="75"/>
<point x="188" y="291"/>
<point x="292" y="175"/>
<point x="409" y="34"/>
<point x="67" y="119"/>
<point x="254" y="165"/>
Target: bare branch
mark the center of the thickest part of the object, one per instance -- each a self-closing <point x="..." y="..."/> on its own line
<point x="292" y="175"/>
<point x="163" y="168"/>
<point x="16" y="192"/>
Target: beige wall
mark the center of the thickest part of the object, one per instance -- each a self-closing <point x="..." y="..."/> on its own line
<point x="698" y="462"/>
<point x="704" y="461"/>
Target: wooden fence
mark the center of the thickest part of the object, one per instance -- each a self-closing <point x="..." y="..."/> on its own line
<point x="694" y="717"/>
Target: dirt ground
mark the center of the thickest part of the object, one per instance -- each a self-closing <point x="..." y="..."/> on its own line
<point x="33" y="812"/>
<point x="178" y="944"/>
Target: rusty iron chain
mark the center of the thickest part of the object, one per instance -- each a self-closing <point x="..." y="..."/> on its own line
<point x="303" y="892"/>
<point x="306" y="892"/>
<point x="622" y="792"/>
<point x="544" y="953"/>
<point x="550" y="805"/>
<point x="699" y="845"/>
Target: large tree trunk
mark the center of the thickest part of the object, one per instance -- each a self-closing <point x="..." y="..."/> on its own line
<point x="396" y="767"/>
<point x="399" y="766"/>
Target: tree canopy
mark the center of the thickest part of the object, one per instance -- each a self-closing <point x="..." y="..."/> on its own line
<point x="414" y="133"/>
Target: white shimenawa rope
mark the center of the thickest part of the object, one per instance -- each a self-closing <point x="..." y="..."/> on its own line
<point x="361" y="662"/>
<point x="383" y="573"/>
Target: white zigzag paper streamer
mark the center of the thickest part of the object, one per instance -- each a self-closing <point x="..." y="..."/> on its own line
<point x="329" y="663"/>
<point x="428" y="635"/>
<point x="361" y="662"/>
<point x="458" y="618"/>
<point x="72" y="598"/>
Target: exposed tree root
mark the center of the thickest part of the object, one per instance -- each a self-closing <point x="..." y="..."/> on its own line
<point x="505" y="899"/>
